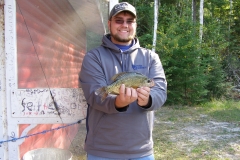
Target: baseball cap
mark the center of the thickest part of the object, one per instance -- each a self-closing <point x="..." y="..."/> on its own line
<point x="123" y="6"/>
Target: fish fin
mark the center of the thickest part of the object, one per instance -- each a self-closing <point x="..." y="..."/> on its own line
<point x="102" y="93"/>
<point x="117" y="76"/>
<point x="139" y="74"/>
<point x="152" y="83"/>
<point x="104" y="97"/>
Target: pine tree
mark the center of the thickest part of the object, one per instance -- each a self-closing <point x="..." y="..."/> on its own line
<point x="181" y="54"/>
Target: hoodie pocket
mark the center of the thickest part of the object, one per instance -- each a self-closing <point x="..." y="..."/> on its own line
<point x="123" y="133"/>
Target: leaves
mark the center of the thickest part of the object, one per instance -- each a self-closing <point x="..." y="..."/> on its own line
<point x="196" y="71"/>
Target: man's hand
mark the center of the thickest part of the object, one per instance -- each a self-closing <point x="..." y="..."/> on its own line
<point x="126" y="96"/>
<point x="143" y="96"/>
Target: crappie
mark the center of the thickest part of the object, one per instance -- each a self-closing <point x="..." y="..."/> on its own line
<point x="130" y="79"/>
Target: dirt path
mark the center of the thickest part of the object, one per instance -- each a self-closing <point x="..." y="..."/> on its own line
<point x="193" y="135"/>
<point x="185" y="134"/>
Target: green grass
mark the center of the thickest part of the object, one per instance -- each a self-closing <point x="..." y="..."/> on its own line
<point x="189" y="133"/>
<point x="228" y="111"/>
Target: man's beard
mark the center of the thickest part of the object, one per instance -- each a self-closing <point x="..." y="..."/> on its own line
<point x="119" y="39"/>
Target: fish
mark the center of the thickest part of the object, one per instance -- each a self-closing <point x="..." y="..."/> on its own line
<point x="130" y="79"/>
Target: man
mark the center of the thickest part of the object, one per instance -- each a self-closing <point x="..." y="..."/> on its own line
<point x="120" y="127"/>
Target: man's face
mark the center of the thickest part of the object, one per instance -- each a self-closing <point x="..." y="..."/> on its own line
<point x="122" y="28"/>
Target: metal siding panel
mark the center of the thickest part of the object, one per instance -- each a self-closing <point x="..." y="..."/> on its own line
<point x="90" y="14"/>
<point x="51" y="40"/>
<point x="51" y="44"/>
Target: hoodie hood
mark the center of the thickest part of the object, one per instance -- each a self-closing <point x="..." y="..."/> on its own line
<point x="122" y="56"/>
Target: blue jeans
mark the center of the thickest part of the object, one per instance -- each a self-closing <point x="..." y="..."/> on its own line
<point x="92" y="157"/>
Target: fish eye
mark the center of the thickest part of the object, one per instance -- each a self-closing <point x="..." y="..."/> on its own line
<point x="149" y="81"/>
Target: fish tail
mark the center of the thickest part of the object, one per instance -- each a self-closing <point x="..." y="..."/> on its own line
<point x="102" y="93"/>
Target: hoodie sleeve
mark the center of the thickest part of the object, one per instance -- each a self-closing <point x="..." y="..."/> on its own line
<point x="159" y="91"/>
<point x="93" y="77"/>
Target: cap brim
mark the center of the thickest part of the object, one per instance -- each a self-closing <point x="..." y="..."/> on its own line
<point x="123" y="11"/>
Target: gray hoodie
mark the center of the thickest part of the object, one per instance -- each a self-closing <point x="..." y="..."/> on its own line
<point x="112" y="133"/>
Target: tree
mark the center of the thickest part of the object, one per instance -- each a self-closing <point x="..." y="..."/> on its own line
<point x="155" y="24"/>
<point x="180" y="53"/>
<point x="194" y="70"/>
<point x="201" y="20"/>
<point x="194" y="10"/>
<point x="198" y="68"/>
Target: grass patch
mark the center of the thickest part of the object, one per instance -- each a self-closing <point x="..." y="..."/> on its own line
<point x="228" y="111"/>
<point x="207" y="132"/>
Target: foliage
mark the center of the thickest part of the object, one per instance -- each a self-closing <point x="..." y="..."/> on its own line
<point x="213" y="45"/>
<point x="227" y="14"/>
<point x="197" y="71"/>
<point x="181" y="54"/>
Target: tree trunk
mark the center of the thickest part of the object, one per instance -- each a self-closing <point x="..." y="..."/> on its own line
<point x="194" y="11"/>
<point x="155" y="24"/>
<point x="201" y="20"/>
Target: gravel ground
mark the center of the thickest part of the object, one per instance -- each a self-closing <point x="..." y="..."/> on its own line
<point x="189" y="135"/>
<point x="192" y="135"/>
